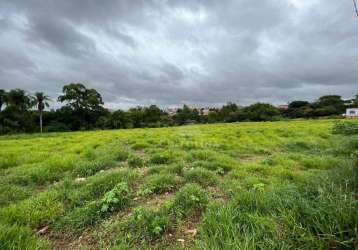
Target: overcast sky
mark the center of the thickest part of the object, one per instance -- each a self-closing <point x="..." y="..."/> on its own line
<point x="141" y="52"/>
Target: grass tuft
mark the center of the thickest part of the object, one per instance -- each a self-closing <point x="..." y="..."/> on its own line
<point x="201" y="176"/>
<point x="189" y="198"/>
<point x="160" y="183"/>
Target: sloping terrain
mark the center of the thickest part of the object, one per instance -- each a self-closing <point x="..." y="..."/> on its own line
<point x="277" y="185"/>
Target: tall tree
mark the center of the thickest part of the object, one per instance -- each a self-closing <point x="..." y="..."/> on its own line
<point x="120" y="119"/>
<point x="86" y="104"/>
<point x="261" y="112"/>
<point x="229" y="112"/>
<point x="16" y="116"/>
<point x="298" y="109"/>
<point x="136" y="115"/>
<point x="18" y="99"/>
<point x="329" y="105"/>
<point x="2" y="98"/>
<point x="152" y="115"/>
<point x="80" y="98"/>
<point x="355" y="101"/>
<point x="41" y="101"/>
<point x="186" y="115"/>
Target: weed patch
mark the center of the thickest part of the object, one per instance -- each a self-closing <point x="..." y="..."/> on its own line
<point x="135" y="161"/>
<point x="16" y="237"/>
<point x="345" y="127"/>
<point x="161" y="158"/>
<point x="160" y="183"/>
<point x="201" y="176"/>
<point x="189" y="198"/>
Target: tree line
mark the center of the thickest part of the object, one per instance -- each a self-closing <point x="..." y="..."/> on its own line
<point x="83" y="110"/>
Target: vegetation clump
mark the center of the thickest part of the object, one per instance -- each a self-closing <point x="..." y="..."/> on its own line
<point x="346" y="127"/>
<point x="135" y="161"/>
<point x="145" y="224"/>
<point x="161" y="158"/>
<point x="201" y="176"/>
<point x="189" y="198"/>
<point x="117" y="198"/>
<point x="160" y="183"/>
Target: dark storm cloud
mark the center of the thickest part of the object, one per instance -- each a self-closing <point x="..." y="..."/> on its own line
<point x="168" y="52"/>
<point x="61" y="36"/>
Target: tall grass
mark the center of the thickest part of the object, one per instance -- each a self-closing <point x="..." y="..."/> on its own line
<point x="272" y="185"/>
<point x="319" y="213"/>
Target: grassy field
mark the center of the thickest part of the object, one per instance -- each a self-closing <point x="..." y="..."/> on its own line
<point x="280" y="185"/>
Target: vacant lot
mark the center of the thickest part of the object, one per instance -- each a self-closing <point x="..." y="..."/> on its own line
<point x="267" y="185"/>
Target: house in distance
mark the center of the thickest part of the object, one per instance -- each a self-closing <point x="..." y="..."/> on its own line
<point x="351" y="113"/>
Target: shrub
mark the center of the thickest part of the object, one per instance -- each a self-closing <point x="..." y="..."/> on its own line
<point x="201" y="176"/>
<point x="117" y="198"/>
<point x="189" y="198"/>
<point x="345" y="127"/>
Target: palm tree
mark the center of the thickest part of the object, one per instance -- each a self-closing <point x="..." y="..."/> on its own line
<point x="41" y="101"/>
<point x="2" y="98"/>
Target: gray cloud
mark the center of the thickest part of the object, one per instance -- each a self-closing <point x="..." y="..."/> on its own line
<point x="171" y="52"/>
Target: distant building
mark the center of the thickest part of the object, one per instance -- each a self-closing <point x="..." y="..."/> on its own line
<point x="204" y="111"/>
<point x="352" y="113"/>
<point x="283" y="107"/>
<point x="171" y="111"/>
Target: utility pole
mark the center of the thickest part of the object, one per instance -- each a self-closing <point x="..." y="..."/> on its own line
<point x="355" y="6"/>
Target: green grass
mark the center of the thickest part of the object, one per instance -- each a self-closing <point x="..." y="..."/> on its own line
<point x="269" y="185"/>
<point x="201" y="176"/>
<point x="189" y="198"/>
<point x="160" y="183"/>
